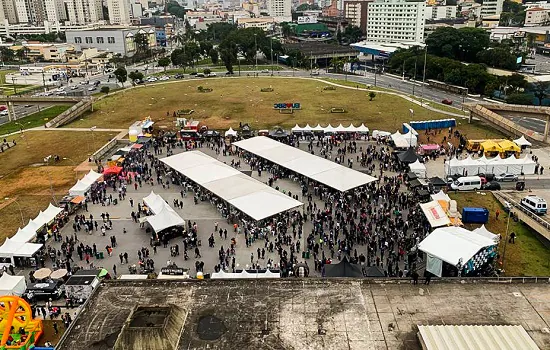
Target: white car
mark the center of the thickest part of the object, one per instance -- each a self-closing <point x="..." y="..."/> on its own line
<point x="83" y="82"/>
<point x="151" y="79"/>
<point x="265" y="71"/>
<point x="212" y="74"/>
<point x="4" y="112"/>
<point x="60" y="89"/>
<point x="74" y="87"/>
<point x="91" y="88"/>
<point x="163" y="78"/>
<point x="48" y="93"/>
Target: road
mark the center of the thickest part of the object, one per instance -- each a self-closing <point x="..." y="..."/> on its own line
<point x="25" y="110"/>
<point x="537" y="125"/>
<point x="530" y="183"/>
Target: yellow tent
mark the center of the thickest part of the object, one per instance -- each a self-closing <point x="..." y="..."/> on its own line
<point x="509" y="146"/>
<point x="491" y="146"/>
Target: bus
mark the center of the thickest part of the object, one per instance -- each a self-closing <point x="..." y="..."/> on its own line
<point x="447" y="87"/>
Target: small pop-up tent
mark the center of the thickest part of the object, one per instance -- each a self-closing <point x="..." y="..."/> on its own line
<point x="343" y="269"/>
<point x="12" y="285"/>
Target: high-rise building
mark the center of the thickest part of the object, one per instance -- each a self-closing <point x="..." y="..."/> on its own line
<point x="119" y="12"/>
<point x="84" y="11"/>
<point x="355" y="11"/>
<point x="395" y="21"/>
<point x="491" y="7"/>
<point x="29" y="11"/>
<point x="280" y="10"/>
<point x="55" y="10"/>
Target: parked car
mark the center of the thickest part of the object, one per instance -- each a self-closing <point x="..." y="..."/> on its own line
<point x="492" y="186"/>
<point x="447" y="102"/>
<point x="4" y="112"/>
<point x="193" y="73"/>
<point x="164" y="78"/>
<point x="211" y="74"/>
<point x="3" y="107"/>
<point x="265" y="71"/>
<point x="506" y="177"/>
<point x="74" y="87"/>
<point x="178" y="76"/>
<point x="151" y="79"/>
<point x="92" y="88"/>
<point x="229" y="73"/>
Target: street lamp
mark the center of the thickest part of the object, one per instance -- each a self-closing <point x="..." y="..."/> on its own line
<point x="20" y="210"/>
<point x="47" y="161"/>
<point x="256" y="52"/>
<point x="22" y="133"/>
<point x="424" y="75"/>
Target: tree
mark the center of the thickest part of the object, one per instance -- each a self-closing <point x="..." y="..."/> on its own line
<point x="142" y="44"/>
<point x="207" y="71"/>
<point x="214" y="57"/>
<point x="372" y="95"/>
<point x="135" y="75"/>
<point x="164" y="62"/>
<point x="539" y="90"/>
<point x="519" y="99"/>
<point x="285" y="29"/>
<point x="219" y="31"/>
<point x="121" y="75"/>
<point x="228" y="54"/>
<point x="352" y="34"/>
<point x="307" y="7"/>
<point x="105" y="90"/>
<point x="6" y="54"/>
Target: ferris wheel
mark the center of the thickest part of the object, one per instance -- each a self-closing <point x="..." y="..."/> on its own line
<point x="16" y="312"/>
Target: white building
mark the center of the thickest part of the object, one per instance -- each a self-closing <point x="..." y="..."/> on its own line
<point x="84" y="11"/>
<point x="8" y="11"/>
<point x="536" y="16"/>
<point x="355" y="11"/>
<point x="281" y="10"/>
<point x="395" y="21"/>
<point x="440" y="12"/>
<point x="264" y="23"/>
<point x="491" y="7"/>
<point x="119" y="12"/>
<point x="55" y="10"/>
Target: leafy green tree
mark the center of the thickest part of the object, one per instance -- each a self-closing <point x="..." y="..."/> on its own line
<point x="164" y="62"/>
<point x="207" y="71"/>
<point x="285" y="29"/>
<point x="372" y="95"/>
<point x="352" y="34"/>
<point x="214" y="57"/>
<point x="6" y="54"/>
<point x="519" y="99"/>
<point x="121" y="75"/>
<point x="219" y="31"/>
<point x="540" y="89"/>
<point x="228" y="54"/>
<point x="135" y="75"/>
<point x="205" y="47"/>
<point x="499" y="57"/>
<point x="142" y="44"/>
<point x="307" y="7"/>
<point x="105" y="90"/>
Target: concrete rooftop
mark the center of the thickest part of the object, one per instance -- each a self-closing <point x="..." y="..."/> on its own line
<point x="356" y="314"/>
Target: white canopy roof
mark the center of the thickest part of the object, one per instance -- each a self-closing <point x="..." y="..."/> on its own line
<point x="329" y="128"/>
<point x="12" y="285"/>
<point x="24" y="235"/>
<point x="362" y="128"/>
<point x="297" y="128"/>
<point x="91" y="177"/>
<point x="166" y="218"/>
<point x="318" y="128"/>
<point x="451" y="243"/>
<point x="316" y="168"/>
<point x="79" y="188"/>
<point x="341" y="128"/>
<point x="245" y="275"/>
<point x="522" y="141"/>
<point x="441" y="196"/>
<point x="435" y="214"/>
<point x="155" y="202"/>
<point x="418" y="168"/>
<point x="48" y="215"/>
<point x="230" y="132"/>
<point x="380" y="133"/>
<point x="250" y="196"/>
<point x="484" y="232"/>
<point x="12" y="248"/>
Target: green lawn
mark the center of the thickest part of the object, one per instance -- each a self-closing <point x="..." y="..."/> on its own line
<point x="528" y="256"/>
<point x="3" y="74"/>
<point x="33" y="120"/>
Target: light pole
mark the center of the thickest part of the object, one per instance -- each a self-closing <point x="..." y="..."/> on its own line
<point x="506" y="239"/>
<point x="271" y="43"/>
<point x="47" y="161"/>
<point x="20" y="210"/>
<point x="93" y="139"/>
<point x="13" y="82"/>
<point x="22" y="133"/>
<point x="73" y="163"/>
<point x="424" y="75"/>
<point x="255" y="52"/>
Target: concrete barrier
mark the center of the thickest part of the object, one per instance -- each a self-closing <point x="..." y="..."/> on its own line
<point x="109" y="146"/>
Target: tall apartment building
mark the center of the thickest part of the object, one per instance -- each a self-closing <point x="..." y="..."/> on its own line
<point x="280" y="10"/>
<point x="395" y="21"/>
<point x="8" y="11"/>
<point x="36" y="11"/>
<point x="119" y="11"/>
<point x="55" y="10"/>
<point x="83" y="12"/>
<point x="491" y="7"/>
<point x="537" y="16"/>
<point x="355" y="11"/>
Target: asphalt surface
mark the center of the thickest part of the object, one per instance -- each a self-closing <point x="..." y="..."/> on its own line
<point x="537" y="125"/>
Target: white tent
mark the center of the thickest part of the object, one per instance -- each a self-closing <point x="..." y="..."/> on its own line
<point x="230" y="132"/>
<point x="452" y="244"/>
<point x="318" y="128"/>
<point x="245" y="275"/>
<point x="340" y="128"/>
<point x="486" y="233"/>
<point x="350" y="128"/>
<point x="307" y="128"/>
<point x="166" y="218"/>
<point x="24" y="235"/>
<point x="91" y="177"/>
<point x="79" y="189"/>
<point x="418" y="168"/>
<point x="12" y="248"/>
<point x="154" y="202"/>
<point x="362" y="128"/>
<point x="435" y="214"/>
<point x="297" y="128"/>
<point x="522" y="142"/>
<point x="403" y="140"/>
<point x="496" y="165"/>
<point x="48" y="215"/>
<point x="329" y="128"/>
<point x="12" y="285"/>
<point x="411" y="138"/>
<point x="441" y="196"/>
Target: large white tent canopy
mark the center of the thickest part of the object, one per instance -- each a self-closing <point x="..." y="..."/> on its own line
<point x="166" y="218"/>
<point x="497" y="165"/>
<point x="248" y="195"/>
<point x="316" y="168"/>
<point x="404" y="140"/>
<point x="12" y="248"/>
<point x="245" y="275"/>
<point x="83" y="185"/>
<point x="329" y="128"/>
<point x="12" y="285"/>
<point x="522" y="142"/>
<point x="451" y="244"/>
<point x="154" y="202"/>
<point x="418" y="168"/>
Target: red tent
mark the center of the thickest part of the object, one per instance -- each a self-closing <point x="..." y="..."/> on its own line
<point x="114" y="170"/>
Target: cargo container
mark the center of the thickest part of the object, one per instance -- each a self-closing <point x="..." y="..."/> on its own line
<point x="475" y="215"/>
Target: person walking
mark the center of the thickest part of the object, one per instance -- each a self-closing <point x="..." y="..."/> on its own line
<point x="414" y="276"/>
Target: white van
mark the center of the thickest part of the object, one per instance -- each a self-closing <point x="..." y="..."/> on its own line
<point x="467" y="183"/>
<point x="535" y="204"/>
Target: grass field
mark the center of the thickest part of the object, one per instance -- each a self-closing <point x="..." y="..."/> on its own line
<point x="33" y="120"/>
<point x="528" y="256"/>
<point x="240" y="100"/>
<point x="3" y="74"/>
<point x="24" y="178"/>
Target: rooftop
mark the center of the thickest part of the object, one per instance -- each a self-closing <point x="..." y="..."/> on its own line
<point x="286" y="314"/>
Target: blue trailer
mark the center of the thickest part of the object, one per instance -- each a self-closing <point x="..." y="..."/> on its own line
<point x="475" y="215"/>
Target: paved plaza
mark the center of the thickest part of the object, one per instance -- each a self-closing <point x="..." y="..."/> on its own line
<point x="203" y="213"/>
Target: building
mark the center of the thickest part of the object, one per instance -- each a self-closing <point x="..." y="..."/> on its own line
<point x="491" y="7"/>
<point x="84" y="11"/>
<point x="395" y="21"/>
<point x="111" y="39"/>
<point x="281" y="10"/>
<point x="332" y="10"/>
<point x="536" y="16"/>
<point x="55" y="10"/>
<point x="36" y="11"/>
<point x="252" y="7"/>
<point x="265" y="23"/>
<point x="8" y="12"/>
<point x="436" y="13"/>
<point x="355" y="11"/>
<point x="119" y="12"/>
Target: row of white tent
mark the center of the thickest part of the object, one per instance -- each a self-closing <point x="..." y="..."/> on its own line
<point x="329" y="128"/>
<point x="83" y="185"/>
<point x="496" y="165"/>
<point x="404" y="140"/>
<point x="164" y="216"/>
<point x="245" y="275"/>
